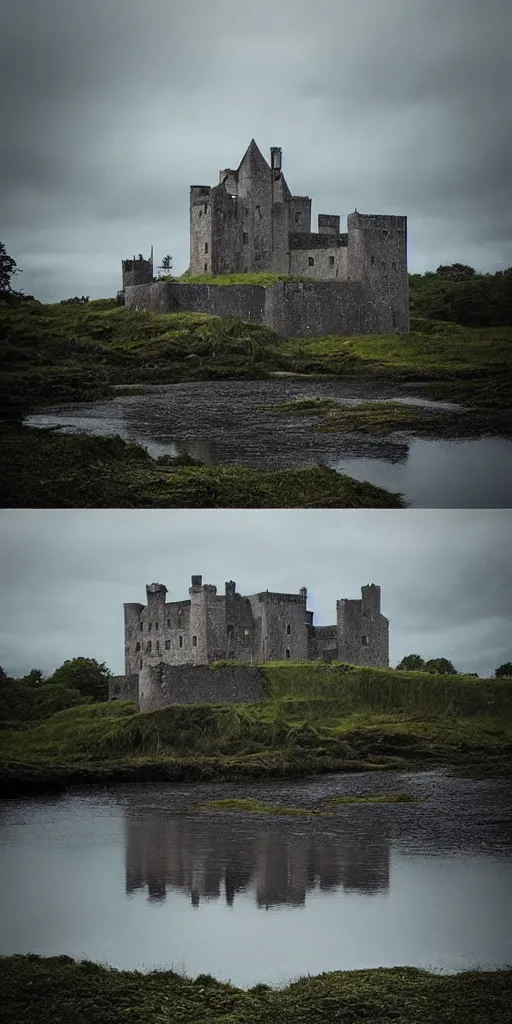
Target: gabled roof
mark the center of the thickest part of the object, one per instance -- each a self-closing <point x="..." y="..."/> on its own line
<point x="254" y="158"/>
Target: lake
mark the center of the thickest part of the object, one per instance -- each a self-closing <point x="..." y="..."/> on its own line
<point x="218" y="422"/>
<point x="137" y="878"/>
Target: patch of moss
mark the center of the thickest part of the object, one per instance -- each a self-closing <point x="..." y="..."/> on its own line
<point x="378" y="798"/>
<point x="248" y="806"/>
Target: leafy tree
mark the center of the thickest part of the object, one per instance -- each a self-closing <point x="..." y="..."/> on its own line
<point x="34" y="678"/>
<point x="440" y="667"/>
<point x="8" y="267"/>
<point x="166" y="264"/>
<point x="504" y="671"/>
<point x="4" y="678"/>
<point x="411" y="663"/>
<point x="84" y="674"/>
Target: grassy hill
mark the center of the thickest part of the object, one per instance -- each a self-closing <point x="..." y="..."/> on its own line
<point x="315" y="719"/>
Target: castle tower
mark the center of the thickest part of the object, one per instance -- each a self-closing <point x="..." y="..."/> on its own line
<point x="137" y="271"/>
<point x="377" y="256"/>
<point x="132" y="638"/>
<point x="362" y="631"/>
<point x="201" y="233"/>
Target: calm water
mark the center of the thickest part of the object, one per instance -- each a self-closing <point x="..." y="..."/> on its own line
<point x="136" y="878"/>
<point x="219" y="422"/>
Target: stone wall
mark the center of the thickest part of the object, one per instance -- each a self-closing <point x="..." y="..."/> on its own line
<point x="307" y="310"/>
<point x="160" y="685"/>
<point x="123" y="687"/>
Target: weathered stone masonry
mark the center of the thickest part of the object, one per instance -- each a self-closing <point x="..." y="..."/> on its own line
<point x="250" y="222"/>
<point x="169" y="645"/>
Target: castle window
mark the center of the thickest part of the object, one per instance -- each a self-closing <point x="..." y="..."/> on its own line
<point x="331" y="261"/>
<point x="245" y="236"/>
<point x="180" y="617"/>
<point x="167" y="645"/>
<point x="385" y="234"/>
<point x="141" y="626"/>
<point x="311" y="261"/>
<point x="137" y="647"/>
<point x="140" y="663"/>
<point x="206" y="268"/>
<point x="365" y="640"/>
<point x="206" y="207"/>
<point x="194" y="641"/>
<point x="287" y="653"/>
<point x="156" y="625"/>
<point x="158" y="645"/>
<point x="181" y="641"/>
<point x="168" y="623"/>
<point x="200" y="213"/>
<point x="372" y="259"/>
<point x="298" y="217"/>
<point x="258" y="211"/>
<point x="149" y="625"/>
<point x="206" y="246"/>
<point x="148" y="646"/>
<point x="288" y="629"/>
<point x="393" y="265"/>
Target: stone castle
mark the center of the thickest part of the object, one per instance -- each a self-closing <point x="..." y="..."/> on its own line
<point x="169" y="645"/>
<point x="356" y="282"/>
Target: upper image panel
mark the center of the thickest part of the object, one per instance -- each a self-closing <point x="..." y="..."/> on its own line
<point x="260" y="352"/>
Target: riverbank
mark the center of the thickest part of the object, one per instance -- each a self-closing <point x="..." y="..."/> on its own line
<point x="45" y="469"/>
<point x="71" y="353"/>
<point x="314" y="721"/>
<point x="40" y="990"/>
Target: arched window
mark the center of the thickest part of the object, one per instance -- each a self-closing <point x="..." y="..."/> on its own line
<point x="288" y="629"/>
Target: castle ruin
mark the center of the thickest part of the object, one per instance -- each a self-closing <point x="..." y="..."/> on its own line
<point x="355" y="282"/>
<point x="169" y="645"/>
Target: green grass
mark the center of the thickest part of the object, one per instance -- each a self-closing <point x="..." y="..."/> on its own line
<point x="45" y="469"/>
<point x="379" y="798"/>
<point x="376" y="417"/>
<point x="56" y="990"/>
<point x="249" y="806"/>
<point x="263" y="278"/>
<point x="314" y="719"/>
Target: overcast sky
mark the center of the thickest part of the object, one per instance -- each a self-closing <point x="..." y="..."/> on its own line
<point x="113" y="108"/>
<point x="446" y="575"/>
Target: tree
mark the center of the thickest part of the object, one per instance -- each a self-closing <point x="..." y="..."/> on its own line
<point x="440" y="667"/>
<point x="411" y="663"/>
<point x="84" y="674"/>
<point x="504" y="671"/>
<point x="34" y="678"/>
<point x="166" y="264"/>
<point x="8" y="267"/>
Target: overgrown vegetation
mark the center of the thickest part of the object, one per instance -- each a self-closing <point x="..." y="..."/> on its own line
<point x="56" y="990"/>
<point x="458" y="293"/>
<point x="315" y="718"/>
<point x="45" y="469"/>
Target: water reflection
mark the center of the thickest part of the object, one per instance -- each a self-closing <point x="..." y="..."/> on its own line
<point x="208" y="860"/>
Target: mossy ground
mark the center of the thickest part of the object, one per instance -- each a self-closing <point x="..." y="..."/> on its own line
<point x="45" y="469"/>
<point x="314" y="720"/>
<point x="56" y="990"/>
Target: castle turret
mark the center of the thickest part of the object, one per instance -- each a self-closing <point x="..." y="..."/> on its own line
<point x="377" y="256"/>
<point x="137" y="271"/>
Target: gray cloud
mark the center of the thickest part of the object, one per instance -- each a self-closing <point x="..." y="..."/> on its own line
<point x="110" y="112"/>
<point x="446" y="575"/>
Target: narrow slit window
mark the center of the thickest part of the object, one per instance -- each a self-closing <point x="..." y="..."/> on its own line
<point x="181" y="641"/>
<point x="287" y="653"/>
<point x="167" y="645"/>
<point x="206" y="246"/>
<point x="311" y="261"/>
<point x="148" y="646"/>
<point x="194" y="641"/>
<point x="158" y="646"/>
<point x="288" y="629"/>
<point x="331" y="261"/>
<point x="137" y="647"/>
<point x="365" y="640"/>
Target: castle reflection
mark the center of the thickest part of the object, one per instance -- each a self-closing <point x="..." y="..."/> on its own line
<point x="214" y="859"/>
